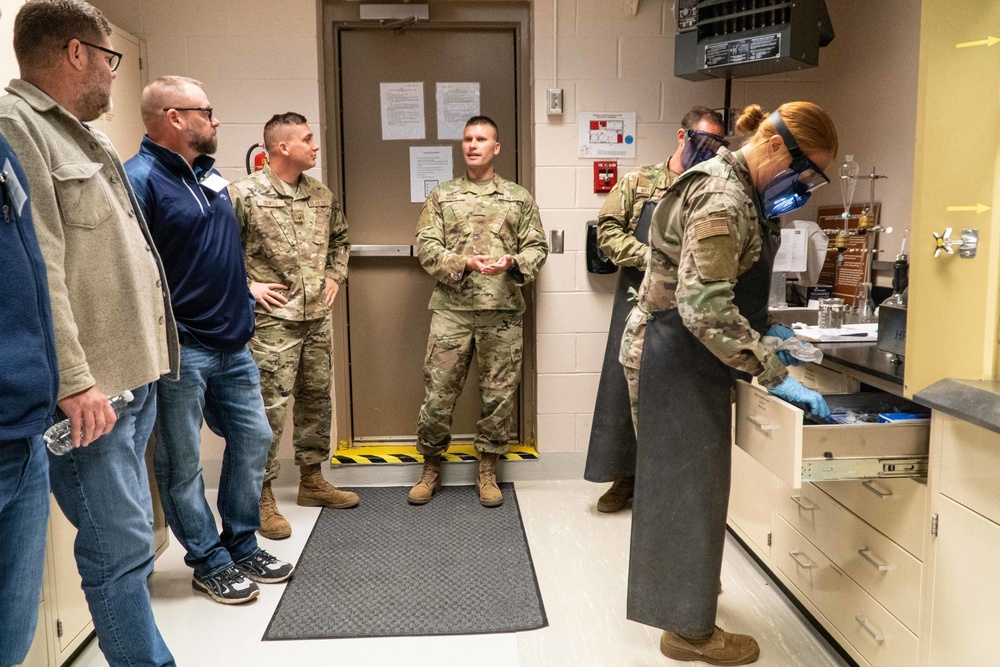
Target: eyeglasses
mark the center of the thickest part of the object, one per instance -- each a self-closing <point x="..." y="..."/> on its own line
<point x="114" y="58"/>
<point x="207" y="110"/>
<point x="810" y="176"/>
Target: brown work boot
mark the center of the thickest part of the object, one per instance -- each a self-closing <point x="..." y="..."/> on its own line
<point x="615" y="498"/>
<point x="429" y="484"/>
<point x="273" y="526"/>
<point x="719" y="648"/>
<point x="314" y="491"/>
<point x="489" y="492"/>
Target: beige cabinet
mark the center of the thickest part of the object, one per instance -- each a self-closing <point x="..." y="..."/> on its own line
<point x="837" y="513"/>
<point x="963" y="583"/>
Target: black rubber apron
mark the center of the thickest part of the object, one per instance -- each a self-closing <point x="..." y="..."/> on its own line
<point x="683" y="464"/>
<point x="611" y="452"/>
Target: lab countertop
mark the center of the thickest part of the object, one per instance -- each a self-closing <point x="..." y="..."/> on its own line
<point x="866" y="363"/>
<point x="970" y="400"/>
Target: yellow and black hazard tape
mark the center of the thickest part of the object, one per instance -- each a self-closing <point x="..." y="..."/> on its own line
<point x="388" y="454"/>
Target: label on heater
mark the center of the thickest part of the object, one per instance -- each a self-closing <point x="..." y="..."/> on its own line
<point x="747" y="50"/>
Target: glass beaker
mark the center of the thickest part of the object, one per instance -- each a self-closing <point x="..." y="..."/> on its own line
<point x="831" y="314"/>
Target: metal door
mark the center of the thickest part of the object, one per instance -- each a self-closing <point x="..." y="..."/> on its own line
<point x="388" y="291"/>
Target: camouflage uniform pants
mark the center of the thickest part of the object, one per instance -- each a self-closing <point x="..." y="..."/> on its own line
<point x="294" y="361"/>
<point x="632" y="379"/>
<point x="495" y="338"/>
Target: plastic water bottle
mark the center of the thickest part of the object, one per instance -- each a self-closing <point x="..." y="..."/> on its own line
<point x="59" y="438"/>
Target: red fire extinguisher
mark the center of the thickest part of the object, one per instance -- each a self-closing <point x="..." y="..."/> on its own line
<point x="258" y="155"/>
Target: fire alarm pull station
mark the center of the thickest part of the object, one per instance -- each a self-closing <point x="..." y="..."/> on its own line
<point x="605" y="175"/>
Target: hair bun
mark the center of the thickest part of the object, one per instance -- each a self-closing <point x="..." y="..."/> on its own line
<point x="750" y="119"/>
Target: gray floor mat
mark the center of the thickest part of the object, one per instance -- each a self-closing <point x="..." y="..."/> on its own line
<point x="387" y="568"/>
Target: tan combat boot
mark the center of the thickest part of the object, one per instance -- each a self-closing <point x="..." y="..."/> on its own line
<point x="429" y="484"/>
<point x="719" y="648"/>
<point x="489" y="492"/>
<point x="615" y="498"/>
<point x="314" y="491"/>
<point x="273" y="526"/>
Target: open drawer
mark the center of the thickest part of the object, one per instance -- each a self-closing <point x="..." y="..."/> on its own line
<point x="773" y="432"/>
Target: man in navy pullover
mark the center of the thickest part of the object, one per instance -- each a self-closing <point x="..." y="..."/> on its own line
<point x="187" y="207"/>
<point x="29" y="382"/>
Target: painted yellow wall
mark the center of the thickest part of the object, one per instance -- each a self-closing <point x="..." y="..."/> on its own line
<point x="952" y="325"/>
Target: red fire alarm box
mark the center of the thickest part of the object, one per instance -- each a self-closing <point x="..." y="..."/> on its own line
<point x="605" y="175"/>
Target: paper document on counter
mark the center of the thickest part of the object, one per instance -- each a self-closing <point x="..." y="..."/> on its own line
<point x="851" y="333"/>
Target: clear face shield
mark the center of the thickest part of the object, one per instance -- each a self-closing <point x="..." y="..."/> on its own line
<point x="700" y="146"/>
<point x="791" y="188"/>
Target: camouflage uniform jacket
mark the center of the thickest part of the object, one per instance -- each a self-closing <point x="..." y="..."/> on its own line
<point x="462" y="218"/>
<point x="705" y="233"/>
<point x="293" y="236"/>
<point x="620" y="214"/>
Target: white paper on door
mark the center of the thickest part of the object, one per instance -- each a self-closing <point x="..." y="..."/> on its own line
<point x="456" y="103"/>
<point x="429" y="167"/>
<point x="402" y="110"/>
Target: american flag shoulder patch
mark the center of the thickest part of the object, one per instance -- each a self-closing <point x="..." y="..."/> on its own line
<point x="714" y="227"/>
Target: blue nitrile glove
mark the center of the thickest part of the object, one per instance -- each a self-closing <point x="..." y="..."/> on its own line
<point x="780" y="331"/>
<point x="784" y="333"/>
<point x="792" y="391"/>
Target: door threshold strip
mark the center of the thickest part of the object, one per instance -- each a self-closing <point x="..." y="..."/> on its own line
<point x="401" y="453"/>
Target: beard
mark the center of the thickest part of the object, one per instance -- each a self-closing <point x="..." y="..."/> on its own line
<point x="96" y="96"/>
<point x="203" y="144"/>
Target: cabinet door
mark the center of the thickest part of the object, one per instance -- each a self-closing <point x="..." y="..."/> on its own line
<point x="751" y="500"/>
<point x="69" y="603"/>
<point x="964" y="618"/>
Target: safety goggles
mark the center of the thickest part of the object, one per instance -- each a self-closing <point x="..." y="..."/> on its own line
<point x="809" y="176"/>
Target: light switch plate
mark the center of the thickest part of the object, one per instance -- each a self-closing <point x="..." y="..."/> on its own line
<point x="556" y="241"/>
<point x="555" y="101"/>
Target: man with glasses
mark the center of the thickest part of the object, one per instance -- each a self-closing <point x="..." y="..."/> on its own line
<point x="623" y="237"/>
<point x="114" y="330"/>
<point x="192" y="222"/>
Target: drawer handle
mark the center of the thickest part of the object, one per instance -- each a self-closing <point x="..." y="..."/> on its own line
<point x="806" y="565"/>
<point x="864" y="554"/>
<point x="798" y="500"/>
<point x="761" y="426"/>
<point x="873" y="631"/>
<point x="874" y="489"/>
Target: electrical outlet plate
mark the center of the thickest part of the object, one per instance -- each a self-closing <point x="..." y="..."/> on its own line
<point x="555" y="98"/>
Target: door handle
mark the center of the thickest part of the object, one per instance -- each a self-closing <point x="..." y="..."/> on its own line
<point x="870" y="629"/>
<point x="878" y="566"/>
<point x="761" y="426"/>
<point x="381" y="251"/>
<point x="806" y="565"/>
<point x="798" y="500"/>
<point x="881" y="494"/>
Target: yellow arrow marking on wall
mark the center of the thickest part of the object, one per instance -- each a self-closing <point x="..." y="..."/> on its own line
<point x="978" y="208"/>
<point x="989" y="41"/>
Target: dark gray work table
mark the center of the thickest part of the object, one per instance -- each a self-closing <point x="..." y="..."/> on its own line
<point x="970" y="400"/>
<point x="866" y="363"/>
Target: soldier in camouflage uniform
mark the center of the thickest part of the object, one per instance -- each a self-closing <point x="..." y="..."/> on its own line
<point x="701" y="311"/>
<point x="622" y="235"/>
<point x="481" y="238"/>
<point x="295" y="242"/>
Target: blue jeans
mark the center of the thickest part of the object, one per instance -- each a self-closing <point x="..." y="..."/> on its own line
<point x="103" y="490"/>
<point x="223" y="388"/>
<point x="24" y="510"/>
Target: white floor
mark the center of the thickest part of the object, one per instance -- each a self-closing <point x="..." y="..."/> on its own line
<point x="581" y="560"/>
